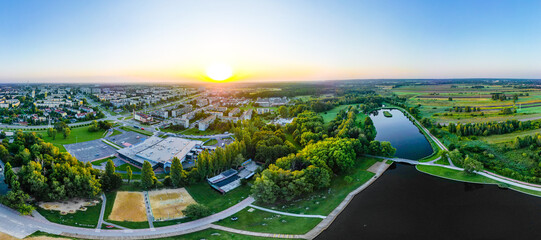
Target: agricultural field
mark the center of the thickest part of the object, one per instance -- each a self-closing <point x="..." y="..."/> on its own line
<point x="436" y="100"/>
<point x="129" y="206"/>
<point x="167" y="204"/>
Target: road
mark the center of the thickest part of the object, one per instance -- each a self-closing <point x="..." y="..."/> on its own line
<point x="20" y="226"/>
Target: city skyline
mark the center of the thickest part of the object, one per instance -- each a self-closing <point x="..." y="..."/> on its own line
<point x="161" y="41"/>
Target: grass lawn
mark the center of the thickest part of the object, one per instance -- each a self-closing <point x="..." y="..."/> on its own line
<point x="211" y="142"/>
<point x="99" y="162"/>
<point x="325" y="200"/>
<point x="455" y="174"/>
<point x="331" y="114"/>
<point x="261" y="221"/>
<point x="144" y="132"/>
<point x="86" y="219"/>
<point x="202" y="193"/>
<point x="77" y="135"/>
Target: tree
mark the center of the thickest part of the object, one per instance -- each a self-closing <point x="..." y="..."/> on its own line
<point x="148" y="179"/>
<point x="111" y="180"/>
<point x="129" y="173"/>
<point x="196" y="211"/>
<point x="178" y="176"/>
<point x="66" y="132"/>
<point x="17" y="199"/>
<point x="8" y="173"/>
<point x="471" y="165"/>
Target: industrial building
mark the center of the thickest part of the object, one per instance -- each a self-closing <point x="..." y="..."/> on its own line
<point x="159" y="152"/>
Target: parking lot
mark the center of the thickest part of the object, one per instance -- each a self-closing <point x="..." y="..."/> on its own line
<point x="91" y="150"/>
<point x="129" y="137"/>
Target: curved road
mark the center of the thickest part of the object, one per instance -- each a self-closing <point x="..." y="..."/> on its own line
<point x="21" y="226"/>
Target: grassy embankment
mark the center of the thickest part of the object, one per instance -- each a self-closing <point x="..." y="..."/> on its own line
<point x="144" y="132"/>
<point x="471" y="178"/>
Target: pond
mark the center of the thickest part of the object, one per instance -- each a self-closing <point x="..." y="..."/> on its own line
<point x="403" y="135"/>
<point x="407" y="204"/>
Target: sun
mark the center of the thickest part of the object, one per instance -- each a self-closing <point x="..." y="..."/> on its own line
<point x="219" y="71"/>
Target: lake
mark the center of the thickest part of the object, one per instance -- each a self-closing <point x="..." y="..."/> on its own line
<point x="407" y="204"/>
<point x="403" y="135"/>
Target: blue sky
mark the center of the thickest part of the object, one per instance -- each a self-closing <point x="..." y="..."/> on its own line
<point x="268" y="40"/>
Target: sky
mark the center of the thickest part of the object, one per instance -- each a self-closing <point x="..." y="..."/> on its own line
<point x="280" y="40"/>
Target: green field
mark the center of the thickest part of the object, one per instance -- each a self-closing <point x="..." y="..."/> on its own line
<point x="77" y="135"/>
<point x="261" y="221"/>
<point x="324" y="201"/>
<point x="331" y="114"/>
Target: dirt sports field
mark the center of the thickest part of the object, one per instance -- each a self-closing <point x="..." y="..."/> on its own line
<point x="168" y="203"/>
<point x="129" y="206"/>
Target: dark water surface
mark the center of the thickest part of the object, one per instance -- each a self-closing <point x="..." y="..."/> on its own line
<point x="409" y="142"/>
<point x="407" y="204"/>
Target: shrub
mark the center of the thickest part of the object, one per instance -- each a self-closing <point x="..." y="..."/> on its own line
<point x="196" y="211"/>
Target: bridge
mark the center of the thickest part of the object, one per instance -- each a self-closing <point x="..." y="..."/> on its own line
<point x="402" y="160"/>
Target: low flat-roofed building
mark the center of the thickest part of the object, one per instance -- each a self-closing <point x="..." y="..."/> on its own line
<point x="159" y="152"/>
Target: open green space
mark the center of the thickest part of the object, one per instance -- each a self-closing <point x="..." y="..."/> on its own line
<point x="331" y="114"/>
<point x="137" y="130"/>
<point x="261" y="221"/>
<point x="86" y="219"/>
<point x="77" y="135"/>
<point x="324" y="201"/>
<point x="202" y="193"/>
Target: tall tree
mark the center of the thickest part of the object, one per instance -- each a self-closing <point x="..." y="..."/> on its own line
<point x="8" y="173"/>
<point x="129" y="173"/>
<point x="177" y="173"/>
<point x="147" y="176"/>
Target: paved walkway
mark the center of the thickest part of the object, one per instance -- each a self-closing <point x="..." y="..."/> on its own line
<point x="102" y="212"/>
<point x="150" y="216"/>
<point x="21" y="226"/>
<point x="286" y="213"/>
<point x="256" y="234"/>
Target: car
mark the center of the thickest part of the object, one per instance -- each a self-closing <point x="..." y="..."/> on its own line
<point x="234" y="218"/>
<point x="142" y="128"/>
<point x="109" y="226"/>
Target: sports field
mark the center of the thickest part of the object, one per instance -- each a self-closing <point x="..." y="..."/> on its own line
<point x="129" y="206"/>
<point x="168" y="204"/>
